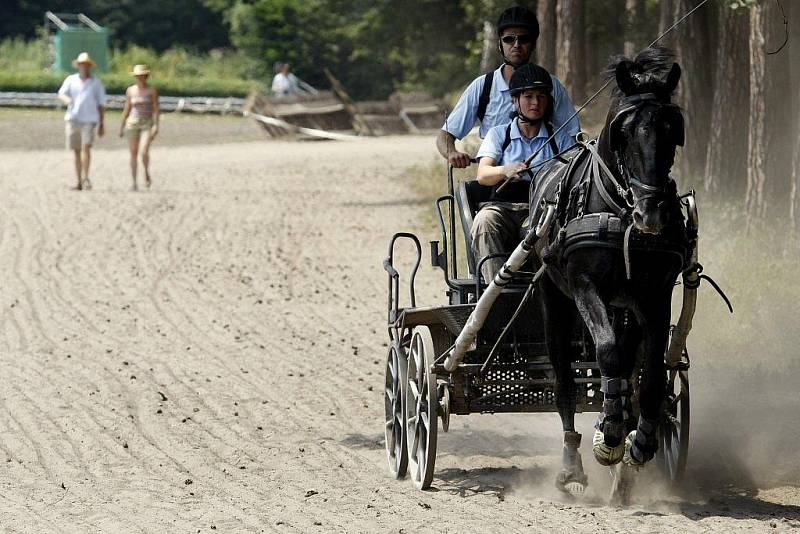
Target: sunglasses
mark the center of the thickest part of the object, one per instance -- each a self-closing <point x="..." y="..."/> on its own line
<point x="511" y="38"/>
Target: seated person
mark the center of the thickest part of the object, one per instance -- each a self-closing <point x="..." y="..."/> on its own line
<point x="498" y="225"/>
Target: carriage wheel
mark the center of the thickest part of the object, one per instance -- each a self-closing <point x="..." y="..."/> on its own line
<point x="674" y="435"/>
<point x="393" y="396"/>
<point x="421" y="404"/>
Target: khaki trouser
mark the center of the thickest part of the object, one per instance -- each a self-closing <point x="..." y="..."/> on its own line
<point x="498" y="228"/>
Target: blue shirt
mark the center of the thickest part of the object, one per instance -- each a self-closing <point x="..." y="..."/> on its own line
<point x="500" y="107"/>
<point x="521" y="148"/>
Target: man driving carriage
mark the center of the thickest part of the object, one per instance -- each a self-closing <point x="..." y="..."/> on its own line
<point x="498" y="225"/>
<point x="487" y="98"/>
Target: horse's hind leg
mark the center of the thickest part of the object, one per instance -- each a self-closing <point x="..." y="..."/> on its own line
<point x="608" y="444"/>
<point x="642" y="443"/>
<point x="559" y="318"/>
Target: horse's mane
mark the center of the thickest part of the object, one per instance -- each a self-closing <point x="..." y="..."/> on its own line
<point x="651" y="64"/>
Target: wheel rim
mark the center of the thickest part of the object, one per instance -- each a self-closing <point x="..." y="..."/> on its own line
<point x="675" y="428"/>
<point x="396" y="451"/>
<point x="421" y="404"/>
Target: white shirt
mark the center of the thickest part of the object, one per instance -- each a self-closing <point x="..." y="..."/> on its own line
<point x="87" y="95"/>
<point x="284" y="84"/>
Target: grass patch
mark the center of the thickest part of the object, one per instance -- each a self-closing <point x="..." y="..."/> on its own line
<point x="25" y="66"/>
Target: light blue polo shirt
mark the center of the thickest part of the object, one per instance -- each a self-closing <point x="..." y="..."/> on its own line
<point x="521" y="148"/>
<point x="464" y="116"/>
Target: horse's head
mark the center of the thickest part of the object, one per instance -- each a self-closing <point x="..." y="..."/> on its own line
<point x="643" y="130"/>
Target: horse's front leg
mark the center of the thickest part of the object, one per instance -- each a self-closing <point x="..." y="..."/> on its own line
<point x="559" y="319"/>
<point x="642" y="443"/>
<point x="608" y="444"/>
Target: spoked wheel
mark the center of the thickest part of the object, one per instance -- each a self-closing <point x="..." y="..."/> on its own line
<point x="421" y="404"/>
<point x="674" y="433"/>
<point x="393" y="396"/>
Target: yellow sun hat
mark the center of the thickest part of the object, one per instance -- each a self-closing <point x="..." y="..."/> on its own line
<point x="140" y="70"/>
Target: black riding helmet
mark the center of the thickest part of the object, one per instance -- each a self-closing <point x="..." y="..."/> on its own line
<point x="529" y="77"/>
<point x="521" y="17"/>
<point x="517" y="17"/>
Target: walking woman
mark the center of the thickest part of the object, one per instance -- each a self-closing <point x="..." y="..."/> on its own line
<point x="140" y="121"/>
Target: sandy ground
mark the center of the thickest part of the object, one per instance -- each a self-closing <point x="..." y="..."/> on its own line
<point x="208" y="355"/>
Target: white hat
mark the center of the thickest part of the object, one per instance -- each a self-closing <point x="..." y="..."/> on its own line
<point x="83" y="57"/>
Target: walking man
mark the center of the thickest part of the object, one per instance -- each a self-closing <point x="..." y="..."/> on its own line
<point x="487" y="99"/>
<point x="85" y="98"/>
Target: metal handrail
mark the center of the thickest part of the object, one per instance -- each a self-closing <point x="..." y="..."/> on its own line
<point x="394" y="276"/>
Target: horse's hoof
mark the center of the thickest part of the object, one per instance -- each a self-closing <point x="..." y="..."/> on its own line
<point x="572" y="482"/>
<point x="628" y="459"/>
<point x="604" y="454"/>
<point x="623" y="477"/>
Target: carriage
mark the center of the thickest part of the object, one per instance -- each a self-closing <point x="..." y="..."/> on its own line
<point x="506" y="368"/>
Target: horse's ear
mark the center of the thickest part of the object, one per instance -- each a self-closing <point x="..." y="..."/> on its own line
<point x="673" y="78"/>
<point x="625" y="80"/>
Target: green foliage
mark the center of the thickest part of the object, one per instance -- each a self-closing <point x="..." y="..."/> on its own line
<point x="25" y="66"/>
<point x="373" y="48"/>
<point x="151" y="23"/>
<point x="19" y="54"/>
<point x="44" y="82"/>
<point x="181" y="63"/>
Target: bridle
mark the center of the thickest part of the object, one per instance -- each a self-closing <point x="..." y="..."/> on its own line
<point x="632" y="190"/>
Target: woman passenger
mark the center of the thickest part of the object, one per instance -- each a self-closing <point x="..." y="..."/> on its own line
<point x="140" y="121"/>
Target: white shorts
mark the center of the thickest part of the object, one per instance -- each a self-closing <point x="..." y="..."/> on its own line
<point x="79" y="134"/>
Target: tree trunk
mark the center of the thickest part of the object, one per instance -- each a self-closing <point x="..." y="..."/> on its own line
<point x="794" y="61"/>
<point x="770" y="116"/>
<point x="693" y="48"/>
<point x="756" y="154"/>
<point x="548" y="22"/>
<point x="665" y="20"/>
<point x="780" y="126"/>
<point x="571" y="47"/>
<point x="726" y="161"/>
<point x="794" y="197"/>
<point x="489" y="55"/>
<point x="634" y="12"/>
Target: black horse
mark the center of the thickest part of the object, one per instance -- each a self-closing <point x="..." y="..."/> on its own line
<point x="615" y="254"/>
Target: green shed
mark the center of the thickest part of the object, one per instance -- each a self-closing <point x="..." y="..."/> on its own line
<point x="75" y="34"/>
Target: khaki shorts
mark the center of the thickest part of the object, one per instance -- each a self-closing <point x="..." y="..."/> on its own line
<point x="135" y="127"/>
<point x="79" y="134"/>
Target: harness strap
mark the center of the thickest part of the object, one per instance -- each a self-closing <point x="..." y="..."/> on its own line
<point x="553" y="145"/>
<point x="626" y="251"/>
<point x="507" y="139"/>
<point x="548" y="128"/>
<point x="599" y="165"/>
<point x="486" y="94"/>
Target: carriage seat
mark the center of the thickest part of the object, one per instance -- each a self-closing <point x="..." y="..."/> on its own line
<point x="469" y="196"/>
